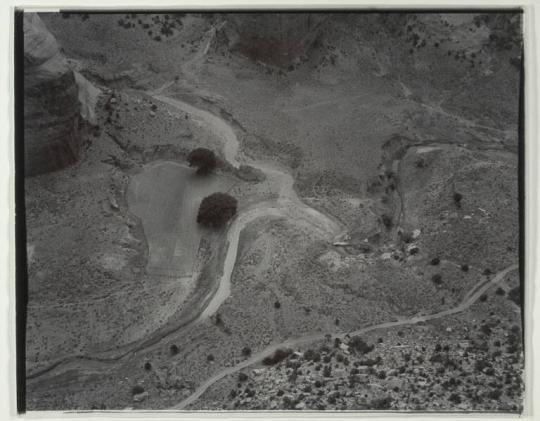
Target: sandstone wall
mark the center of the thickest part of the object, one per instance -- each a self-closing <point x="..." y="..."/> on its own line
<point x="273" y="38"/>
<point x="51" y="105"/>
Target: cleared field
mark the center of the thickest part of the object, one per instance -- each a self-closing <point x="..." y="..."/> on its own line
<point x="166" y="196"/>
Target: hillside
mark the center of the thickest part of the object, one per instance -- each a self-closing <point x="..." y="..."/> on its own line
<point x="374" y="161"/>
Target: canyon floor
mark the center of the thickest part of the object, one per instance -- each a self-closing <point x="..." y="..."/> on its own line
<point x="373" y="261"/>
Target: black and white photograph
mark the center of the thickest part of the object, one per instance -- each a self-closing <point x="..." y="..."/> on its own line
<point x="271" y="210"/>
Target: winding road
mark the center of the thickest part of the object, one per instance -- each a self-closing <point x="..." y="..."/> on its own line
<point x="469" y="300"/>
<point x="288" y="204"/>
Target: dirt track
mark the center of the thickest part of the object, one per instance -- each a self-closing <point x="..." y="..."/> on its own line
<point x="470" y="299"/>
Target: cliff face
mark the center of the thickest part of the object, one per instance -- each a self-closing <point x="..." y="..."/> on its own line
<point x="51" y="104"/>
<point x="273" y="38"/>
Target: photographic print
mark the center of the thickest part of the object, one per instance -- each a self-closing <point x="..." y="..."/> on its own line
<point x="308" y="210"/>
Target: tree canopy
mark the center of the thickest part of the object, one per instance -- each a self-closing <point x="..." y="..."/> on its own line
<point x="202" y="158"/>
<point x="216" y="210"/>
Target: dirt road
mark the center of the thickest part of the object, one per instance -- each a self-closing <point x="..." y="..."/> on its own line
<point x="469" y="299"/>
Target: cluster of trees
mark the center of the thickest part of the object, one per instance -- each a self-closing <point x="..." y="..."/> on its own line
<point x="218" y="208"/>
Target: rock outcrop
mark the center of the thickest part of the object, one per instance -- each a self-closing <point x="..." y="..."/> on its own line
<point x="273" y="38"/>
<point x="51" y="102"/>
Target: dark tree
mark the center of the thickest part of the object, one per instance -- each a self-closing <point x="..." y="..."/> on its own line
<point x="137" y="389"/>
<point x="457" y="199"/>
<point x="202" y="158"/>
<point x="216" y="210"/>
<point x="174" y="349"/>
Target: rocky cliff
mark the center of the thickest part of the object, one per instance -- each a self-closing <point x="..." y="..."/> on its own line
<point x="51" y="102"/>
<point x="273" y="38"/>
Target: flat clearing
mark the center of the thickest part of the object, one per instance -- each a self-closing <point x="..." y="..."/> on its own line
<point x="166" y="196"/>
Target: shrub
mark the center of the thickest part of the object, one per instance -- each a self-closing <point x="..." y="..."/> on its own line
<point x="465" y="268"/>
<point x="359" y="345"/>
<point x="137" y="389"/>
<point x="480" y="365"/>
<point x="147" y="366"/>
<point x="437" y="279"/>
<point x="485" y="329"/>
<point x="515" y="295"/>
<point x="202" y="158"/>
<point x="242" y="377"/>
<point x="210" y="358"/>
<point x="455" y="398"/>
<point x="278" y="356"/>
<point x="435" y="261"/>
<point x="386" y="220"/>
<point x="311" y="355"/>
<point x="495" y="394"/>
<point x="381" y="403"/>
<point x="246" y="351"/>
<point x="457" y="199"/>
<point x="327" y="371"/>
<point x="277" y="305"/>
<point x="216" y="210"/>
<point x="174" y="349"/>
<point x="483" y="297"/>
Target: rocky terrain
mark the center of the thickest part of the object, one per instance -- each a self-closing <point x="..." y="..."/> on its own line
<point x="373" y="263"/>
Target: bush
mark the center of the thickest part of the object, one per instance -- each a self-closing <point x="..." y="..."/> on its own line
<point x="500" y="291"/>
<point x="277" y="305"/>
<point x="457" y="199"/>
<point x="455" y="398"/>
<point x="465" y="268"/>
<point x="147" y="366"/>
<point x="242" y="377"/>
<point x="435" y="261"/>
<point x="437" y="279"/>
<point x="279" y="355"/>
<point x="216" y="210"/>
<point x="515" y="295"/>
<point x="386" y="220"/>
<point x="327" y="371"/>
<point x="311" y="355"/>
<point x="381" y="403"/>
<point x="202" y="158"/>
<point x="137" y="389"/>
<point x="210" y="358"/>
<point x="246" y="351"/>
<point x="359" y="345"/>
<point x="174" y="349"/>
